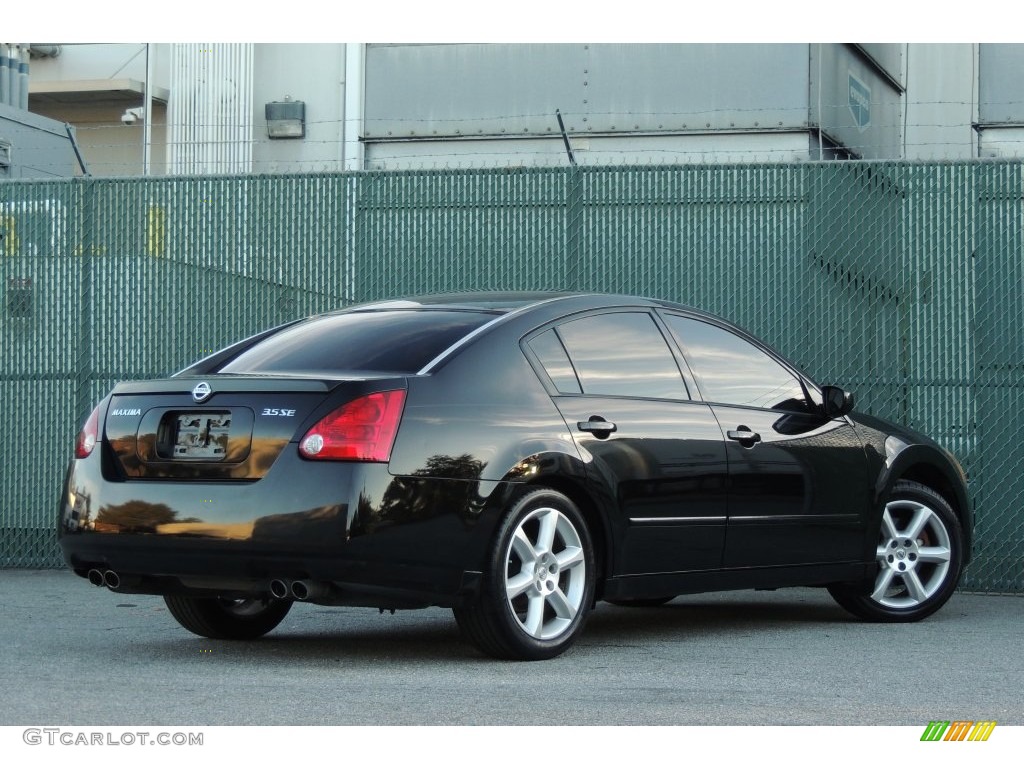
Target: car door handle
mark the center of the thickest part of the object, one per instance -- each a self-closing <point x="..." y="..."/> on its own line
<point x="743" y="436"/>
<point x="597" y="425"/>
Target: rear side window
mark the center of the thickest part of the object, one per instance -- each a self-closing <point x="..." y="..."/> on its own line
<point x="624" y="354"/>
<point x="399" y="341"/>
<point x="552" y="356"/>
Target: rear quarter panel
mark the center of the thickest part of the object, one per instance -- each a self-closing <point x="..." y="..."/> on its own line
<point x="479" y="416"/>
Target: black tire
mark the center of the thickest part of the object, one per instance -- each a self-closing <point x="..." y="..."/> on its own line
<point x="641" y="602"/>
<point x="542" y="555"/>
<point x="222" y="619"/>
<point x="920" y="557"/>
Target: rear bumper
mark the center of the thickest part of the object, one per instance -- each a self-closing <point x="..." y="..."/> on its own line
<point x="161" y="567"/>
<point x="364" y="536"/>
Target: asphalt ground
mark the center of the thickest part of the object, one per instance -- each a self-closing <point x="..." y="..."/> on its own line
<point x="73" y="653"/>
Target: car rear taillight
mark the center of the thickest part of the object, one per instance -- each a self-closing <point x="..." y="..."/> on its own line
<point x="361" y="430"/>
<point x="87" y="437"/>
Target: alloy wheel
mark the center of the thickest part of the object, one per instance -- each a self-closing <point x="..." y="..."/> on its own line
<point x="913" y="555"/>
<point x="545" y="574"/>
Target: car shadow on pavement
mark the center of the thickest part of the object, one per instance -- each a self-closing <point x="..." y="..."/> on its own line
<point x="415" y="636"/>
<point x="302" y="638"/>
<point x="703" y="617"/>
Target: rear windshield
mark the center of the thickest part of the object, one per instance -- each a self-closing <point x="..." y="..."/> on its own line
<point x="393" y="341"/>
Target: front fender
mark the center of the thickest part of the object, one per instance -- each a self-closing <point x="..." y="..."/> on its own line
<point x="929" y="464"/>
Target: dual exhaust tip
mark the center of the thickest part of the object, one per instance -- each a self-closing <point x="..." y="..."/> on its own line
<point x="301" y="589"/>
<point x="108" y="578"/>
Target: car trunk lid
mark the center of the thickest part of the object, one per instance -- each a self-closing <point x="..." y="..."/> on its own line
<point x="220" y="427"/>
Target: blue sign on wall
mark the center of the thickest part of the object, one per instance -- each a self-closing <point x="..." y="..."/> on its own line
<point x="860" y="102"/>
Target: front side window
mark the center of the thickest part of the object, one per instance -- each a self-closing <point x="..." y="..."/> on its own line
<point x="624" y="354"/>
<point x="731" y="370"/>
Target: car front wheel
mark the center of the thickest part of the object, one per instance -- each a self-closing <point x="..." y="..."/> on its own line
<point x="919" y="557"/>
<point x="539" y="583"/>
<point x="223" y="619"/>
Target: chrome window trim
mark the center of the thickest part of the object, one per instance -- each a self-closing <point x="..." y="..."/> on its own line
<point x="712" y="519"/>
<point x="429" y="367"/>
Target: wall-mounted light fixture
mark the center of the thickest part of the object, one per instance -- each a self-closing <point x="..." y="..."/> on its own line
<point x="133" y="115"/>
<point x="286" y="119"/>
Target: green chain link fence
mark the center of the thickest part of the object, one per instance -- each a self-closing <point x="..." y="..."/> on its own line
<point x="902" y="282"/>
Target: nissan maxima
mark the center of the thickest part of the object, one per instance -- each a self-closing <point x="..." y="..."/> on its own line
<point x="514" y="457"/>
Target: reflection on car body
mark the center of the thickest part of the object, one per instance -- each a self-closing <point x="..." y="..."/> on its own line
<point x="515" y="457"/>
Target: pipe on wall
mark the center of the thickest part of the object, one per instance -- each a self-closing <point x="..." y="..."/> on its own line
<point x="5" y="76"/>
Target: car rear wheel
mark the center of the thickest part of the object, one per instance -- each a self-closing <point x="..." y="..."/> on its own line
<point x="919" y="557"/>
<point x="539" y="583"/>
<point x="223" y="619"/>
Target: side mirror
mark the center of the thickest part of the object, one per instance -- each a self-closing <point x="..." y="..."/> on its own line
<point x="836" y="401"/>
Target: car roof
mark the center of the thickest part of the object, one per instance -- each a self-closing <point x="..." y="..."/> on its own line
<point x="501" y="302"/>
<point x="491" y="301"/>
<point x="541" y="306"/>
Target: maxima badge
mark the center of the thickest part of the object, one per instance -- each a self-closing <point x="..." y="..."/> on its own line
<point x="201" y="391"/>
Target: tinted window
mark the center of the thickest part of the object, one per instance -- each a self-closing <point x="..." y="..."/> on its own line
<point x="731" y="370"/>
<point x="622" y="353"/>
<point x="552" y="355"/>
<point x="392" y="341"/>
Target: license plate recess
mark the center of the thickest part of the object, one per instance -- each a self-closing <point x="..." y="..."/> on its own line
<point x="199" y="435"/>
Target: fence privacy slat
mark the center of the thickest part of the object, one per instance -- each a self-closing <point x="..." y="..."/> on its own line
<point x="899" y="281"/>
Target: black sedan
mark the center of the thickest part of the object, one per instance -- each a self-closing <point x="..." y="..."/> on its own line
<point x="515" y="457"/>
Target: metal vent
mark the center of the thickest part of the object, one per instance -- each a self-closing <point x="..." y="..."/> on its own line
<point x="210" y="112"/>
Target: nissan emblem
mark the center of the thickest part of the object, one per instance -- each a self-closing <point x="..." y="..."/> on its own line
<point x="201" y="391"/>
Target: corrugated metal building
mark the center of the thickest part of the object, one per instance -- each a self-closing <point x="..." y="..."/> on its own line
<point x="349" y="107"/>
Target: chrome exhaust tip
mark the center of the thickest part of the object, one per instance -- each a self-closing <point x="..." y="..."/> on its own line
<point x="278" y="589"/>
<point x="308" y="590"/>
<point x="111" y="579"/>
<point x="95" y="577"/>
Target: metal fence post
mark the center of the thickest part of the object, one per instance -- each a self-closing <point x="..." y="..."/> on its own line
<point x="86" y="246"/>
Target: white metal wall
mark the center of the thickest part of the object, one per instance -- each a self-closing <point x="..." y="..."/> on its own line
<point x="940" y="106"/>
<point x="210" y="112"/>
